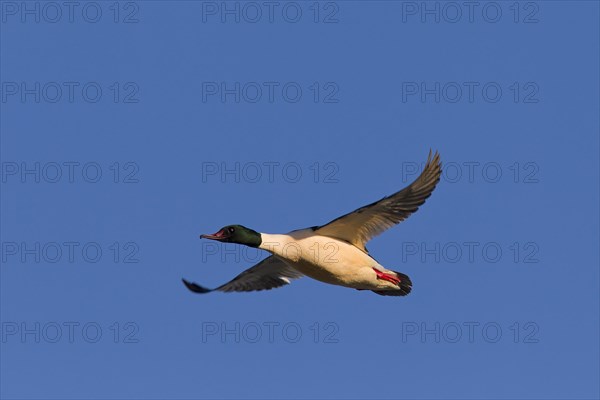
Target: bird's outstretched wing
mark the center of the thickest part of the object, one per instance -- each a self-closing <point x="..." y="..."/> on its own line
<point x="272" y="272"/>
<point x="363" y="224"/>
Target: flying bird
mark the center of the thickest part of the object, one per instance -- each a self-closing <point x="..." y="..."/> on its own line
<point x="333" y="253"/>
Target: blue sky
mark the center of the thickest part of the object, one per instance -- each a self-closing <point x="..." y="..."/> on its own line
<point x="128" y="130"/>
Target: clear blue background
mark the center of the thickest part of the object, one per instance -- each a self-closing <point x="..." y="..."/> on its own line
<point x="369" y="134"/>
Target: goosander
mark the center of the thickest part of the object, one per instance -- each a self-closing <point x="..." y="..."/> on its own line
<point x="333" y="253"/>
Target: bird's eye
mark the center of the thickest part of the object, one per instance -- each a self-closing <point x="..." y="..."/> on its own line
<point x="231" y="230"/>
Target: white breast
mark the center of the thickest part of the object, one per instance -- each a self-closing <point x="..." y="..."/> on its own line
<point x="322" y="258"/>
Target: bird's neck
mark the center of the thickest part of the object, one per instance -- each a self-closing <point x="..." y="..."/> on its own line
<point x="274" y="243"/>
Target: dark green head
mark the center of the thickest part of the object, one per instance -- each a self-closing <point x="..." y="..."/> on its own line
<point x="236" y="234"/>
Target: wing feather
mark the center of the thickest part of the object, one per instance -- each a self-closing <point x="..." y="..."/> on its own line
<point x="363" y="224"/>
<point x="272" y="272"/>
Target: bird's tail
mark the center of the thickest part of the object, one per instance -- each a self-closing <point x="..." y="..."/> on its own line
<point x="404" y="286"/>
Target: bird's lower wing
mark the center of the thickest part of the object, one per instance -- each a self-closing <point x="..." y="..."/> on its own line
<point x="272" y="272"/>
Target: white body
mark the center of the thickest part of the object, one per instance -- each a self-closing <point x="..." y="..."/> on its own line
<point x="327" y="259"/>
